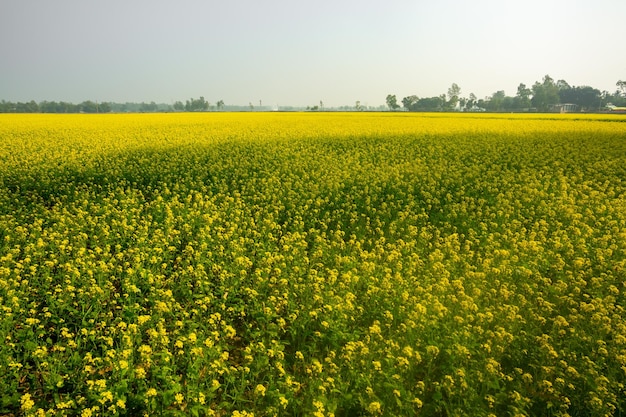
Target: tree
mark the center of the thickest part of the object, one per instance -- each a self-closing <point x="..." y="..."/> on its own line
<point x="88" y="107"/>
<point x="562" y="85"/>
<point x="585" y="97"/>
<point x="471" y="102"/>
<point x="565" y="92"/>
<point x="414" y="103"/>
<point x="523" y="96"/>
<point x="49" y="107"/>
<point x="453" y="95"/>
<point x="621" y="88"/>
<point x="105" y="107"/>
<point x="409" y="102"/>
<point x="197" y="104"/>
<point x="588" y="97"/>
<point x="483" y="102"/>
<point x="148" y="107"/>
<point x="618" y="98"/>
<point x="392" y="102"/>
<point x="430" y="103"/>
<point x="19" y="107"/>
<point x="202" y="104"/>
<point x="220" y="105"/>
<point x="496" y="103"/>
<point x="545" y="94"/>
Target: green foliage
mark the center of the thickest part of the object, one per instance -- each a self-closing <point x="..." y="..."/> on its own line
<point x="199" y="104"/>
<point x="392" y="102"/>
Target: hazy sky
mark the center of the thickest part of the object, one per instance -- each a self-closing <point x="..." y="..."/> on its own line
<point x="290" y="52"/>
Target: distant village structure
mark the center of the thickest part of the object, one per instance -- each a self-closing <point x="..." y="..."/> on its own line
<point x="565" y="108"/>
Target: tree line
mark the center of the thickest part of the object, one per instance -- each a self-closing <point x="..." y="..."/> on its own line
<point x="193" y="104"/>
<point x="543" y="96"/>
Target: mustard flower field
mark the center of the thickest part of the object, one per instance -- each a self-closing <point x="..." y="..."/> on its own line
<point x="358" y="264"/>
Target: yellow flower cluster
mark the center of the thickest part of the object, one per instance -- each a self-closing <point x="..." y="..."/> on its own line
<point x="312" y="264"/>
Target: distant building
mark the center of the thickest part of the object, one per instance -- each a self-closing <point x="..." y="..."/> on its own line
<point x="564" y="108"/>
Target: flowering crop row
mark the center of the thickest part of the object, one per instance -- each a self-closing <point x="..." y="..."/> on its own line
<point x="312" y="264"/>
